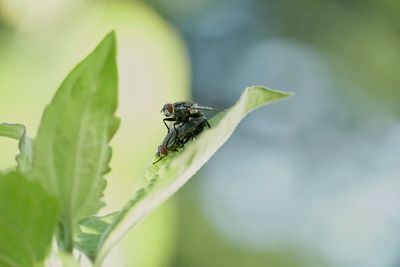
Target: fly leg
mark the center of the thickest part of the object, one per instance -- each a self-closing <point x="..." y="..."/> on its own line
<point x="175" y="123"/>
<point x="208" y="124"/>
<point x="158" y="160"/>
<point x="168" y="119"/>
<point x="182" y="143"/>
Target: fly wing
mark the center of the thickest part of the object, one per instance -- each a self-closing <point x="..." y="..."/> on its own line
<point x="184" y="104"/>
<point x="190" y="127"/>
<point x="170" y="138"/>
<point x="196" y="109"/>
<point x="189" y="105"/>
<point x="196" y="106"/>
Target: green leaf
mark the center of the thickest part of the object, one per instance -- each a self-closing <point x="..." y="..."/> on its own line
<point x="18" y="132"/>
<point x="28" y="216"/>
<point x="71" y="149"/>
<point x="171" y="173"/>
<point x="89" y="232"/>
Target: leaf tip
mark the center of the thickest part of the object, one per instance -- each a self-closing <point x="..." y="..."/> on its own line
<point x="289" y="94"/>
<point x="108" y="43"/>
<point x="111" y="36"/>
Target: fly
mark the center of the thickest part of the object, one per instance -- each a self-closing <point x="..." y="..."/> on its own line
<point x="183" y="111"/>
<point x="178" y="137"/>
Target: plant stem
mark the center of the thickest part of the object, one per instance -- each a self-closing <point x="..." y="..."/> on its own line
<point x="65" y="240"/>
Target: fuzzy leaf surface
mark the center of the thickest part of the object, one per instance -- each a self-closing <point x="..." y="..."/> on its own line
<point x="71" y="149"/>
<point x="28" y="216"/>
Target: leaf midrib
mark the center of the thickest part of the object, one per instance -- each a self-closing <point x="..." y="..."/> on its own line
<point x="77" y="162"/>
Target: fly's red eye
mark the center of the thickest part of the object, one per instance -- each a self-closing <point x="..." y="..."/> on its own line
<point x="163" y="151"/>
<point x="170" y="108"/>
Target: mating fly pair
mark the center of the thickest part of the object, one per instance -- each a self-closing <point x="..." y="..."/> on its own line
<point x="188" y="121"/>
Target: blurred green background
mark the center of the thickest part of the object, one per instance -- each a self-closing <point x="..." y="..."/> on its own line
<point x="312" y="181"/>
